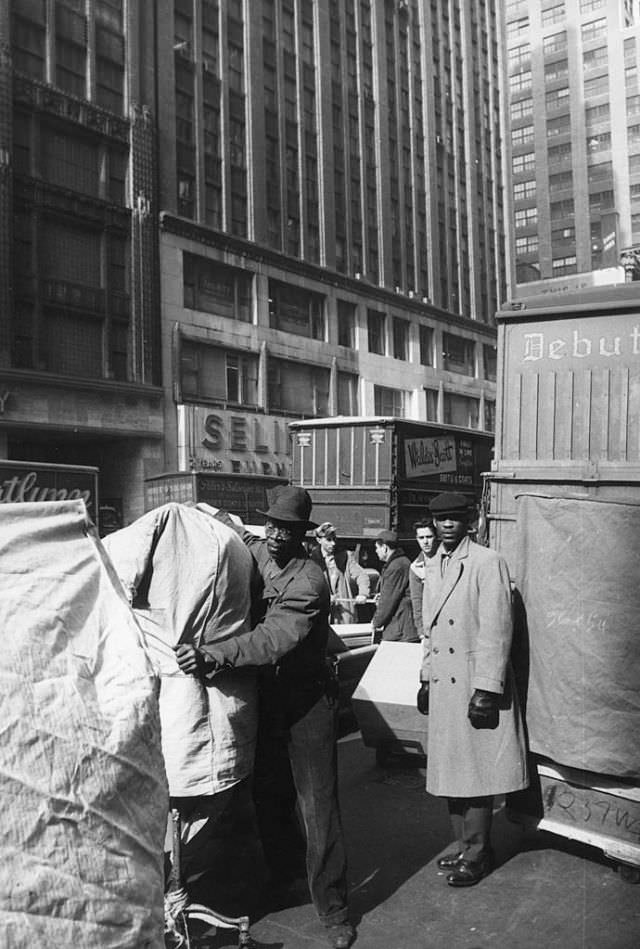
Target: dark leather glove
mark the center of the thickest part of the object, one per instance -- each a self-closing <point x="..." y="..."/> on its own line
<point x="483" y="709"/>
<point x="422" y="699"/>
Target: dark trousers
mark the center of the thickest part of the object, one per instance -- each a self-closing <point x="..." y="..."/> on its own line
<point x="471" y="823"/>
<point x="297" y="769"/>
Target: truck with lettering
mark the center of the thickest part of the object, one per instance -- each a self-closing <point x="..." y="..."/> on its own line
<point x="366" y="474"/>
<point x="564" y="509"/>
<point x="243" y="494"/>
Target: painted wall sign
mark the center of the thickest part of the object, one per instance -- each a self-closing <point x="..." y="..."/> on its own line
<point x="576" y="343"/>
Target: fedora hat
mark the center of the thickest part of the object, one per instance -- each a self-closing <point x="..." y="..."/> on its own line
<point x="288" y="503"/>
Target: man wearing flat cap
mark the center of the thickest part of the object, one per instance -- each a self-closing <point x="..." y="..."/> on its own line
<point x="346" y="579"/>
<point x="296" y="748"/>
<point x="393" y="618"/>
<point x="475" y="735"/>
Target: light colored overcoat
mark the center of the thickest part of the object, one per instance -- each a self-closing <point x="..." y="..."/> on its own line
<point x="468" y="629"/>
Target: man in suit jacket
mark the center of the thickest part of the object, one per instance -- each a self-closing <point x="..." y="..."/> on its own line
<point x="393" y="618"/>
<point x="427" y="540"/>
<point x="475" y="736"/>
<point x="297" y="722"/>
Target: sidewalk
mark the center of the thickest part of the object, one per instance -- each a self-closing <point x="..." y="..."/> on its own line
<point x="546" y="892"/>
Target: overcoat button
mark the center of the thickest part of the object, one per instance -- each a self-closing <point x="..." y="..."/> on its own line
<point x="450" y="622"/>
<point x="453" y="678"/>
<point x="451" y="649"/>
<point x="436" y="649"/>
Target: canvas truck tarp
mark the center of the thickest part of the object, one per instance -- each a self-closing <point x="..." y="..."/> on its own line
<point x="581" y="595"/>
<point x="189" y="578"/>
<point x="82" y="782"/>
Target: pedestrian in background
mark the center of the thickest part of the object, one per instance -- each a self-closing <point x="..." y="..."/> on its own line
<point x="427" y="539"/>
<point x="296" y="759"/>
<point x="475" y="735"/>
<point x="348" y="582"/>
<point x="393" y="618"/>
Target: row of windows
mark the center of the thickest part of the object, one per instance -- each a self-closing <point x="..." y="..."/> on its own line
<point x="222" y="290"/>
<point x="212" y="374"/>
<point x="556" y="13"/>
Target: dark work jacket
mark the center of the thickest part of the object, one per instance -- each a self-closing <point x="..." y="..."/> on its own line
<point x="290" y="636"/>
<point x="393" y="612"/>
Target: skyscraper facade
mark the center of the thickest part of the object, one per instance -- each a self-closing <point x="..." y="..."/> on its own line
<point x="574" y="115"/>
<point x="332" y="227"/>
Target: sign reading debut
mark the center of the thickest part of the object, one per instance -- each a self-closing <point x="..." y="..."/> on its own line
<point x="221" y="440"/>
<point x="429" y="456"/>
<point x="584" y="343"/>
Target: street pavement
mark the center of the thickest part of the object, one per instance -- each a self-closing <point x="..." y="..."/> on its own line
<point x="545" y="893"/>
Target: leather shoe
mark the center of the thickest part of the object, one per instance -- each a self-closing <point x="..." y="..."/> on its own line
<point x="449" y="861"/>
<point x="341" y="935"/>
<point x="469" y="872"/>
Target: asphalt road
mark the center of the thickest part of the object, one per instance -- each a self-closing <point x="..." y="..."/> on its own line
<point x="545" y="893"/>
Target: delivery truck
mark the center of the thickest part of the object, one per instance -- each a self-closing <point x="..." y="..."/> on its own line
<point x="242" y="494"/>
<point x="565" y="511"/>
<point x="374" y="473"/>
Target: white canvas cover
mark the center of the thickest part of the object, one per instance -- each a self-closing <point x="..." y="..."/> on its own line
<point x="83" y="790"/>
<point x="189" y="578"/>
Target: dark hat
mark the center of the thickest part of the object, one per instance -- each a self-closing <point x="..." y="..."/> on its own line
<point x="449" y="502"/>
<point x="388" y="537"/>
<point x="288" y="503"/>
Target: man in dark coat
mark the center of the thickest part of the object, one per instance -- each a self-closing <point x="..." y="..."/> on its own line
<point x="393" y="618"/>
<point x="297" y="722"/>
<point x="476" y="740"/>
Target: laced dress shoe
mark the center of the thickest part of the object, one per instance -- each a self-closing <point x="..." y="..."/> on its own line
<point x="341" y="935"/>
<point x="469" y="872"/>
<point x="449" y="860"/>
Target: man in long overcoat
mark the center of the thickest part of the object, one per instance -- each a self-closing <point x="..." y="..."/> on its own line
<point x="475" y="735"/>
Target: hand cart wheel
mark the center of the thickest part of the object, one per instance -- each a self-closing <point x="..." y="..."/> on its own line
<point x="178" y="911"/>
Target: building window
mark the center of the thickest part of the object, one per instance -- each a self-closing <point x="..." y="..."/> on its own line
<point x="521" y="109"/>
<point x="376" y="332"/>
<point x="596" y="87"/>
<point x="431" y="396"/>
<point x="561" y="182"/>
<point x="426" y="345"/>
<point x="296" y="310"/>
<point x="634" y="164"/>
<point x="71" y="50"/>
<point x="602" y="170"/>
<point x="490" y="360"/>
<point x="346" y="324"/>
<point x="461" y="410"/>
<point x="557" y="99"/>
<point x="601" y="200"/>
<point x="523" y="163"/>
<point x="633" y="105"/>
<point x="558" y="69"/>
<point x="589" y="6"/>
<point x="347" y="394"/>
<point x="595" y="58"/>
<point x="561" y="125"/>
<point x="458" y="354"/>
<point x="564" y="265"/>
<point x="517" y="28"/>
<point x="596" y="114"/>
<point x="563" y="235"/>
<point x="297" y="388"/>
<point x="70" y="161"/>
<point x="519" y="55"/>
<point x="388" y="401"/>
<point x="555" y="43"/>
<point x="216" y="288"/>
<point x="211" y="374"/>
<point x="29" y="40"/>
<point x="553" y="14"/>
<point x="559" y="154"/>
<point x="522" y="136"/>
<point x="520" y="81"/>
<point x="562" y="209"/>
<point x="524" y="190"/>
<point x="601" y="142"/>
<point x="526" y="217"/>
<point x="527" y="245"/>
<point x="400" y="338"/>
<point x="489" y="416"/>
<point x="594" y="29"/>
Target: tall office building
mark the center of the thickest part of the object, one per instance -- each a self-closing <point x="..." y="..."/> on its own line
<point x="79" y="307"/>
<point x="574" y="106"/>
<point x="332" y="227"/>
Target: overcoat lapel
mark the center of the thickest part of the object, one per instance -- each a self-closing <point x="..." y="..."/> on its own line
<point x="438" y="588"/>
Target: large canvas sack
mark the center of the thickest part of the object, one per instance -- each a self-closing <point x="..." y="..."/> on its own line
<point x="82" y="782"/>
